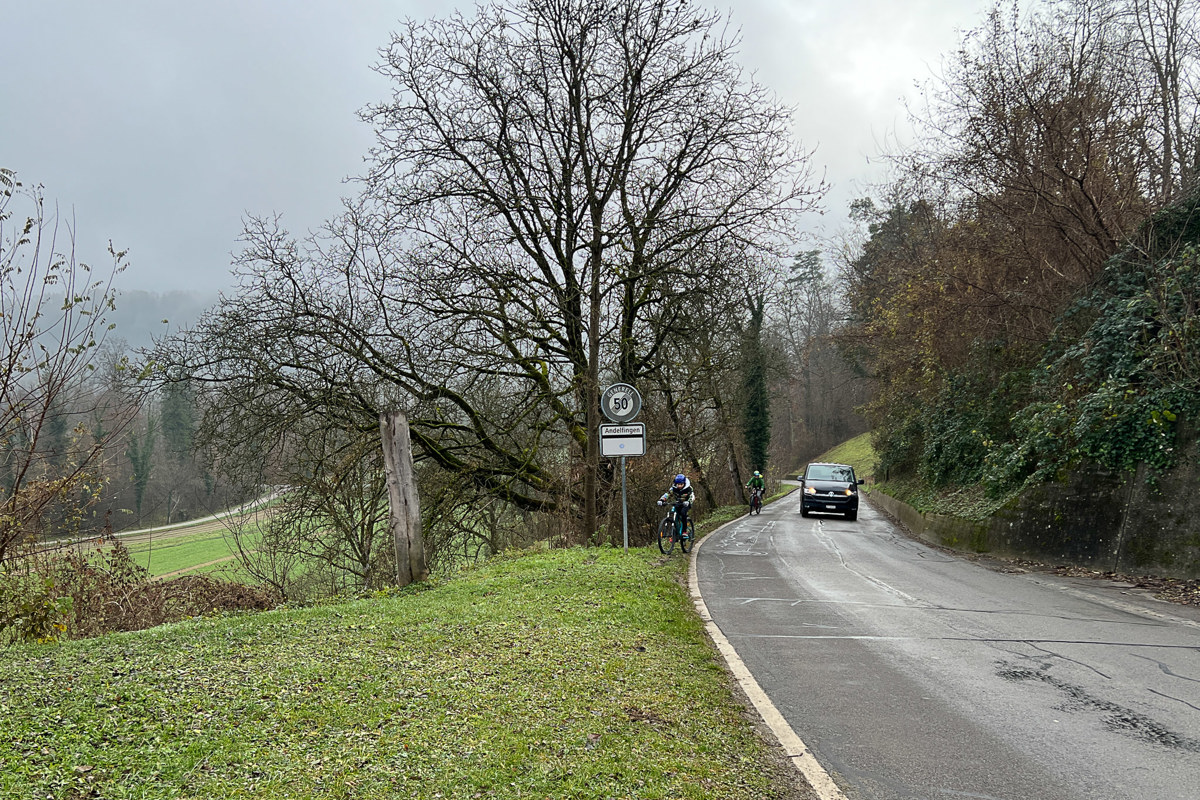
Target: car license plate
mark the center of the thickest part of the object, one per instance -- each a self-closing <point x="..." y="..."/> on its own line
<point x="830" y="506"/>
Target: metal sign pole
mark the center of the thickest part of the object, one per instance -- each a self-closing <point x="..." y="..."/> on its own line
<point x="620" y="402"/>
<point x="624" y="507"/>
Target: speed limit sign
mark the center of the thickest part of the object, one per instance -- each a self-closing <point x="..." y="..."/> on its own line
<point x="620" y="402"/>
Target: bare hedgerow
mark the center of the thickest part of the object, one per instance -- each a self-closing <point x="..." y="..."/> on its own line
<point x="79" y="594"/>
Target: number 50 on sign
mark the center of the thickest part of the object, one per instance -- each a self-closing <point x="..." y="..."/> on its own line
<point x="620" y="402"/>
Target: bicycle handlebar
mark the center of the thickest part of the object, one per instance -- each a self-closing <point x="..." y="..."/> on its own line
<point x="673" y="506"/>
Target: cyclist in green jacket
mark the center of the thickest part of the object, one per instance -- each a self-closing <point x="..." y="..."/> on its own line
<point x="757" y="487"/>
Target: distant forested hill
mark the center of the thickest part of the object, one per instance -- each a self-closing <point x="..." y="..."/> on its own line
<point x="142" y="316"/>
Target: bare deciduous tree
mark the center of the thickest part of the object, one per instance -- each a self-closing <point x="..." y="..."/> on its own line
<point x="552" y="181"/>
<point x="1033" y="131"/>
<point x="555" y="162"/>
<point x="817" y="393"/>
<point x="52" y="320"/>
<point x="1165" y="39"/>
<point x="1054" y="133"/>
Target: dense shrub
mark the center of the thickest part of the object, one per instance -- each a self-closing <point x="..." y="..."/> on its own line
<point x="971" y="415"/>
<point x="31" y="608"/>
<point x="897" y="440"/>
<point x="78" y="594"/>
<point x="1034" y="452"/>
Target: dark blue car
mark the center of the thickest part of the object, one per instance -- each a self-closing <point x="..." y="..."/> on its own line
<point x="829" y="489"/>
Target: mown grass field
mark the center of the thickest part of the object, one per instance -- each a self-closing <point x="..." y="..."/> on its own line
<point x="198" y="552"/>
<point x="567" y="674"/>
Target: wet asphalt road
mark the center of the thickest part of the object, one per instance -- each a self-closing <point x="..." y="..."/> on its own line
<point x="911" y="673"/>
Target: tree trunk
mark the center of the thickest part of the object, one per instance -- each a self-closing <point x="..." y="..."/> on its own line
<point x="402" y="498"/>
<point x="735" y="474"/>
<point x="591" y="474"/>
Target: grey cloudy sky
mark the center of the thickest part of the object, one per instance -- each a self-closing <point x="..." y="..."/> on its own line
<point x="159" y="125"/>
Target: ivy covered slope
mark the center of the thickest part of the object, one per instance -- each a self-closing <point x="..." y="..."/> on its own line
<point x="1114" y="386"/>
<point x="568" y="673"/>
<point x="1123" y="369"/>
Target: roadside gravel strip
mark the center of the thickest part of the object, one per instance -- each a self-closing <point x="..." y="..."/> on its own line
<point x="800" y="756"/>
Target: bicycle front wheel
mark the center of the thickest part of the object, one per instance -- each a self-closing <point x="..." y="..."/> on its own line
<point x="666" y="542"/>
<point x="686" y="543"/>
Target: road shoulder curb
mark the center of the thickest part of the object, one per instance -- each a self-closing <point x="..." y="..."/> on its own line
<point x="794" y="748"/>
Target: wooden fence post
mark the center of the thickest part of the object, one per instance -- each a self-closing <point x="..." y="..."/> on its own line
<point x="402" y="498"/>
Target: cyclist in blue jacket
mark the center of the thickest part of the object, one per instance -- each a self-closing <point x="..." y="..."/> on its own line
<point x="680" y="492"/>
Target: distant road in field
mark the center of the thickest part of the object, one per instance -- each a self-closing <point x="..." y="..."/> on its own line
<point x="188" y="571"/>
<point x="912" y="674"/>
<point x="220" y="521"/>
<point x="216" y="524"/>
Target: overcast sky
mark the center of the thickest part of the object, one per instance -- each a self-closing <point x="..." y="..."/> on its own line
<point x="159" y="125"/>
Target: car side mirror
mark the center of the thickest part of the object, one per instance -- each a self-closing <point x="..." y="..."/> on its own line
<point x="860" y="481"/>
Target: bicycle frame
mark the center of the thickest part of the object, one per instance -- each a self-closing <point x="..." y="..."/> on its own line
<point x="672" y="530"/>
<point x="675" y="507"/>
<point x="676" y="520"/>
<point x="756" y="500"/>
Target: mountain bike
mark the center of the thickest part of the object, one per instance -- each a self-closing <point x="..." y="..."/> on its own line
<point x="670" y="531"/>
<point x="756" y="501"/>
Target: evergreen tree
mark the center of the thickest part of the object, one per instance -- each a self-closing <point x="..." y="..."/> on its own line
<point x="756" y="406"/>
<point x="140" y="452"/>
<point x="178" y="418"/>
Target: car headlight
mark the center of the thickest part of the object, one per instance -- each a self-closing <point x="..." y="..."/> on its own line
<point x="809" y="490"/>
<point x="849" y="492"/>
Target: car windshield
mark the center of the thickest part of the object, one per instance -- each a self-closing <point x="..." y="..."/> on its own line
<point x="829" y="472"/>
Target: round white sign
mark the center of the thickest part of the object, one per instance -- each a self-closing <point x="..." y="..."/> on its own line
<point x="620" y="402"/>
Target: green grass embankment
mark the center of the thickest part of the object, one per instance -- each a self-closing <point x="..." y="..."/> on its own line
<point x="856" y="452"/>
<point x="964" y="502"/>
<point x="565" y="673"/>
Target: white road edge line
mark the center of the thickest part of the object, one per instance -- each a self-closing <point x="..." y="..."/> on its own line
<point x="797" y="752"/>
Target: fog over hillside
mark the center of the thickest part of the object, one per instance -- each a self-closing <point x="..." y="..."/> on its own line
<point x="141" y="317"/>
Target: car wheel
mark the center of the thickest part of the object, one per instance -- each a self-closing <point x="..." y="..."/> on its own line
<point x="803" y="511"/>
<point x="852" y="515"/>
